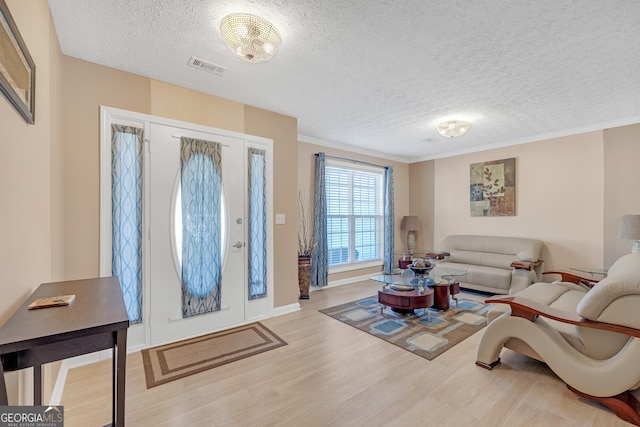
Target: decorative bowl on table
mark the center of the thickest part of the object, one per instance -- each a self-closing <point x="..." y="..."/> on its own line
<point x="420" y="271"/>
<point x="421" y="267"/>
<point x="397" y="287"/>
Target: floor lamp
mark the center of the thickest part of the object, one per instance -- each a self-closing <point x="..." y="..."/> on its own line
<point x="410" y="224"/>
<point x="630" y="230"/>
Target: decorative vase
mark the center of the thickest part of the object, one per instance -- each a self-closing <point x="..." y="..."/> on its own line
<point x="486" y="205"/>
<point x="304" y="276"/>
<point x="411" y="242"/>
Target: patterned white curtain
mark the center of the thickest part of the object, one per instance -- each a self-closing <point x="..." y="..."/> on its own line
<point x="389" y="219"/>
<point x="257" y="248"/>
<point x="320" y="256"/>
<point x="126" y="215"/>
<point x="201" y="186"/>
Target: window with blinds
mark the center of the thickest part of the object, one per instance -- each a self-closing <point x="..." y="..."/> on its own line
<point x="355" y="206"/>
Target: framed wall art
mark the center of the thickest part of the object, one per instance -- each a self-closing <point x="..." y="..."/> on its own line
<point x="17" y="70"/>
<point x="493" y="188"/>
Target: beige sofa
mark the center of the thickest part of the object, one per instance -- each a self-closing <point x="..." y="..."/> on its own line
<point x="499" y="265"/>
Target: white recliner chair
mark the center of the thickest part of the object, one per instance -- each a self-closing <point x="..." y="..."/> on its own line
<point x="590" y="337"/>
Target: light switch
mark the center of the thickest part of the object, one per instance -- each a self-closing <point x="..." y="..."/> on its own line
<point x="279" y="218"/>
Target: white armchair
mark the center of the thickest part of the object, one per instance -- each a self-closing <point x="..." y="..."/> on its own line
<point x="588" y="336"/>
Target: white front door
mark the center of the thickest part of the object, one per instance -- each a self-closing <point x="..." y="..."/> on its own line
<point x="165" y="314"/>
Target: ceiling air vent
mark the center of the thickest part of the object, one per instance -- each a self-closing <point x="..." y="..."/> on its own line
<point x="207" y="66"/>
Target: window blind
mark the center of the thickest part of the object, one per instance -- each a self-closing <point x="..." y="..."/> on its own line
<point x="354" y="213"/>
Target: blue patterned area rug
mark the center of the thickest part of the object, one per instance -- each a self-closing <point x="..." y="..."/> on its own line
<point x="414" y="332"/>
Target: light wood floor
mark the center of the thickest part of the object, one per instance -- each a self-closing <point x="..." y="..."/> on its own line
<point x="331" y="374"/>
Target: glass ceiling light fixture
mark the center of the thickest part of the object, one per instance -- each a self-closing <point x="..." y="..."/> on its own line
<point x="252" y="38"/>
<point x="453" y="128"/>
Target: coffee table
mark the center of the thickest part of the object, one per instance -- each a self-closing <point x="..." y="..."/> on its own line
<point x="444" y="288"/>
<point x="405" y="301"/>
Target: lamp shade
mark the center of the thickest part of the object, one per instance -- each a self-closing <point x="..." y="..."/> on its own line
<point x="410" y="223"/>
<point x="252" y="38"/>
<point x="629" y="227"/>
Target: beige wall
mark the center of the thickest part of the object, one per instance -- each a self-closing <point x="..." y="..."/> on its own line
<point x="56" y="182"/>
<point x="421" y="189"/>
<point x="56" y="179"/>
<point x="554" y="178"/>
<point x="195" y="107"/>
<point x="25" y="171"/>
<point x="560" y="195"/>
<point x="621" y="191"/>
<point x="86" y="87"/>
<point x="30" y="219"/>
<point x="306" y="173"/>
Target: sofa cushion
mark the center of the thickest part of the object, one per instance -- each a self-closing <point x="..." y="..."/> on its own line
<point x="482" y="258"/>
<point x="496" y="278"/>
<point x="561" y="295"/>
<point x="471" y="249"/>
<point x="615" y="298"/>
<point x="488" y="276"/>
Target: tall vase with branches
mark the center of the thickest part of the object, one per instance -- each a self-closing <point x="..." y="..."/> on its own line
<point x="306" y="244"/>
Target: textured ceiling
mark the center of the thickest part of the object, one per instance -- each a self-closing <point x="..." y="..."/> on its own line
<point x="377" y="76"/>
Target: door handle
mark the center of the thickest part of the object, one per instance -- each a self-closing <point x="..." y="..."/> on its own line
<point x="238" y="245"/>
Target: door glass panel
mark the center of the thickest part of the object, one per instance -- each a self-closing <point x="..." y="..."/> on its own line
<point x="176" y="221"/>
<point x="257" y="262"/>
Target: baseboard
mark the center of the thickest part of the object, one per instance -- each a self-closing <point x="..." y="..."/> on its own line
<point x="285" y="309"/>
<point x="341" y="282"/>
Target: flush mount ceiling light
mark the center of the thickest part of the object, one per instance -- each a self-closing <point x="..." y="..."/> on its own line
<point x="252" y="38"/>
<point x="453" y="128"/>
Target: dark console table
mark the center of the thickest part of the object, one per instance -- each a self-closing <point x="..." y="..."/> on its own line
<point x="96" y="320"/>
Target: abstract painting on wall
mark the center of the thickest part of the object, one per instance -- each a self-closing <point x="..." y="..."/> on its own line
<point x="17" y="70"/>
<point x="493" y="188"/>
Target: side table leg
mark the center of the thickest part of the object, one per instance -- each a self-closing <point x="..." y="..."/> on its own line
<point x="454" y="290"/>
<point x="37" y="385"/>
<point x="114" y="381"/>
<point x="4" y="401"/>
<point x="120" y="374"/>
<point x="441" y="297"/>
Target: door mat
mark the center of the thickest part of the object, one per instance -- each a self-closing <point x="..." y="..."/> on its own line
<point x="183" y="358"/>
<point x="414" y="332"/>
